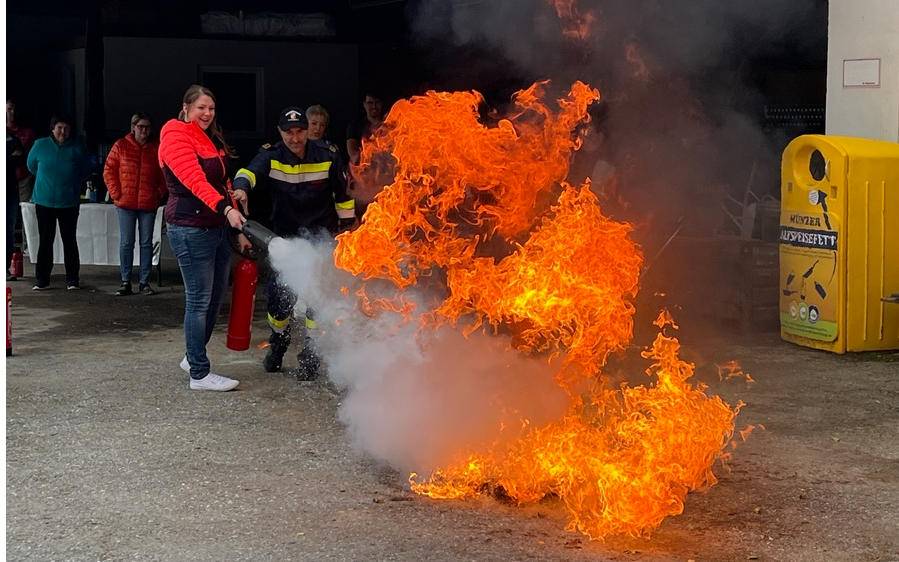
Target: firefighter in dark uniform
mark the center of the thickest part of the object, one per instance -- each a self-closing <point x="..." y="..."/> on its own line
<point x="308" y="189"/>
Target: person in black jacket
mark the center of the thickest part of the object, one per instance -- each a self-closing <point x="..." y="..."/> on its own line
<point x="308" y="191"/>
<point x="361" y="131"/>
<point x="15" y="157"/>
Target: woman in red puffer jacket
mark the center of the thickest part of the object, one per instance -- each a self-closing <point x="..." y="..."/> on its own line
<point x="136" y="185"/>
<point x="200" y="213"/>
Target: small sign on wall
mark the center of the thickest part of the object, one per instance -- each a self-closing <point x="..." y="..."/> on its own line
<point x="861" y="73"/>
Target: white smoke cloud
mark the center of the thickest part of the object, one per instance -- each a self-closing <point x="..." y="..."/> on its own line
<point x="415" y="397"/>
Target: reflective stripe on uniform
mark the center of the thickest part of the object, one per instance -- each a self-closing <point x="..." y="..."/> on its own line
<point x="275" y="323"/>
<point x="311" y="324"/>
<point x="244" y="173"/>
<point x="299" y="173"/>
<point x="346" y="210"/>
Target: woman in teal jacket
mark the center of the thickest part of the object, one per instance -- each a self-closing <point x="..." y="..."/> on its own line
<point x="61" y="165"/>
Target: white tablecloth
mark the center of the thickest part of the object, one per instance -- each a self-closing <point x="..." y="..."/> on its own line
<point x="98" y="235"/>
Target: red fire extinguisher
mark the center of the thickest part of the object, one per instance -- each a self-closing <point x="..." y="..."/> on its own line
<point x="243" y="305"/>
<point x="8" y="320"/>
<point x="17" y="267"/>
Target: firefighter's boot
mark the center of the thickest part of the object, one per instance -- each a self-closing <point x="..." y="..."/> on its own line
<point x="308" y="362"/>
<point x="278" y="344"/>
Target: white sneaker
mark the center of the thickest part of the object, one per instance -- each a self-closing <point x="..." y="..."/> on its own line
<point x="213" y="382"/>
<point x="185" y="366"/>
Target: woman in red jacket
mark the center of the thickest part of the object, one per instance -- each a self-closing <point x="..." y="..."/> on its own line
<point x="199" y="214"/>
<point x="136" y="186"/>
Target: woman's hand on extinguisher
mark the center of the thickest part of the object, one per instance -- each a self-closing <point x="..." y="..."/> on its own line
<point x="244" y="243"/>
<point x="235" y="219"/>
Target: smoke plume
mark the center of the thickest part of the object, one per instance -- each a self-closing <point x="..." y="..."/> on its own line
<point x="680" y="122"/>
<point x="413" y="398"/>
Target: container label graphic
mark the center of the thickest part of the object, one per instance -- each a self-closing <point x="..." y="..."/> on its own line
<point x="808" y="264"/>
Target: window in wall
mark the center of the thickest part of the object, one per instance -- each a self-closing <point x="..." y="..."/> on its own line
<point x="239" y="94"/>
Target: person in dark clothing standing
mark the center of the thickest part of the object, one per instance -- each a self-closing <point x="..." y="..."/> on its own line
<point x="15" y="157"/>
<point x="362" y="128"/>
<point x="360" y="132"/>
<point x="27" y="137"/>
<point x="309" y="195"/>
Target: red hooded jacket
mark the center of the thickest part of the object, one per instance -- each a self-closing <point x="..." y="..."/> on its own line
<point x="196" y="176"/>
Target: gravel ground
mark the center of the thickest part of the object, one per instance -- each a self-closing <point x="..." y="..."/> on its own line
<point x="109" y="456"/>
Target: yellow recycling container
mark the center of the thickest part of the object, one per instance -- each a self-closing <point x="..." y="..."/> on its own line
<point x="839" y="243"/>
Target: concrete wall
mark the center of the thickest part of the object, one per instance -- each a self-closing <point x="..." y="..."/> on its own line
<point x="863" y="29"/>
<point x="149" y="74"/>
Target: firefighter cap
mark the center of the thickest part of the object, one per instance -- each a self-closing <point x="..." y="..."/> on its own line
<point x="293" y="117"/>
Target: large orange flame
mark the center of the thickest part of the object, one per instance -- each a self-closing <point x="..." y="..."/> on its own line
<point x="481" y="210"/>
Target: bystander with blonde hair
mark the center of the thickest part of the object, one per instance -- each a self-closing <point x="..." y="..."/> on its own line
<point x="318" y="118"/>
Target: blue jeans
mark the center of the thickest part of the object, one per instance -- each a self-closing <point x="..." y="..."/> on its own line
<point x="144" y="220"/>
<point x="204" y="257"/>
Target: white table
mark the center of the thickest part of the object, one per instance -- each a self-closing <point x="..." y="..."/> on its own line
<point x="98" y="235"/>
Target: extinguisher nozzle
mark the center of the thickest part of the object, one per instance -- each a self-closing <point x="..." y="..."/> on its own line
<point x="258" y="235"/>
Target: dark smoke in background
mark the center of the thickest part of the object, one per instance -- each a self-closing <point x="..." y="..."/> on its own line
<point x="678" y="138"/>
<point x="681" y="111"/>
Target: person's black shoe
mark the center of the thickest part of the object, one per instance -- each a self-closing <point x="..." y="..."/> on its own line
<point x="308" y="363"/>
<point x="124" y="290"/>
<point x="303" y="374"/>
<point x="145" y="289"/>
<point x="272" y="361"/>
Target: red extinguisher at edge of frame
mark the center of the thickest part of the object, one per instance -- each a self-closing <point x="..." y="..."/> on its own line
<point x="243" y="305"/>
<point x="17" y="265"/>
<point x="8" y="320"/>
